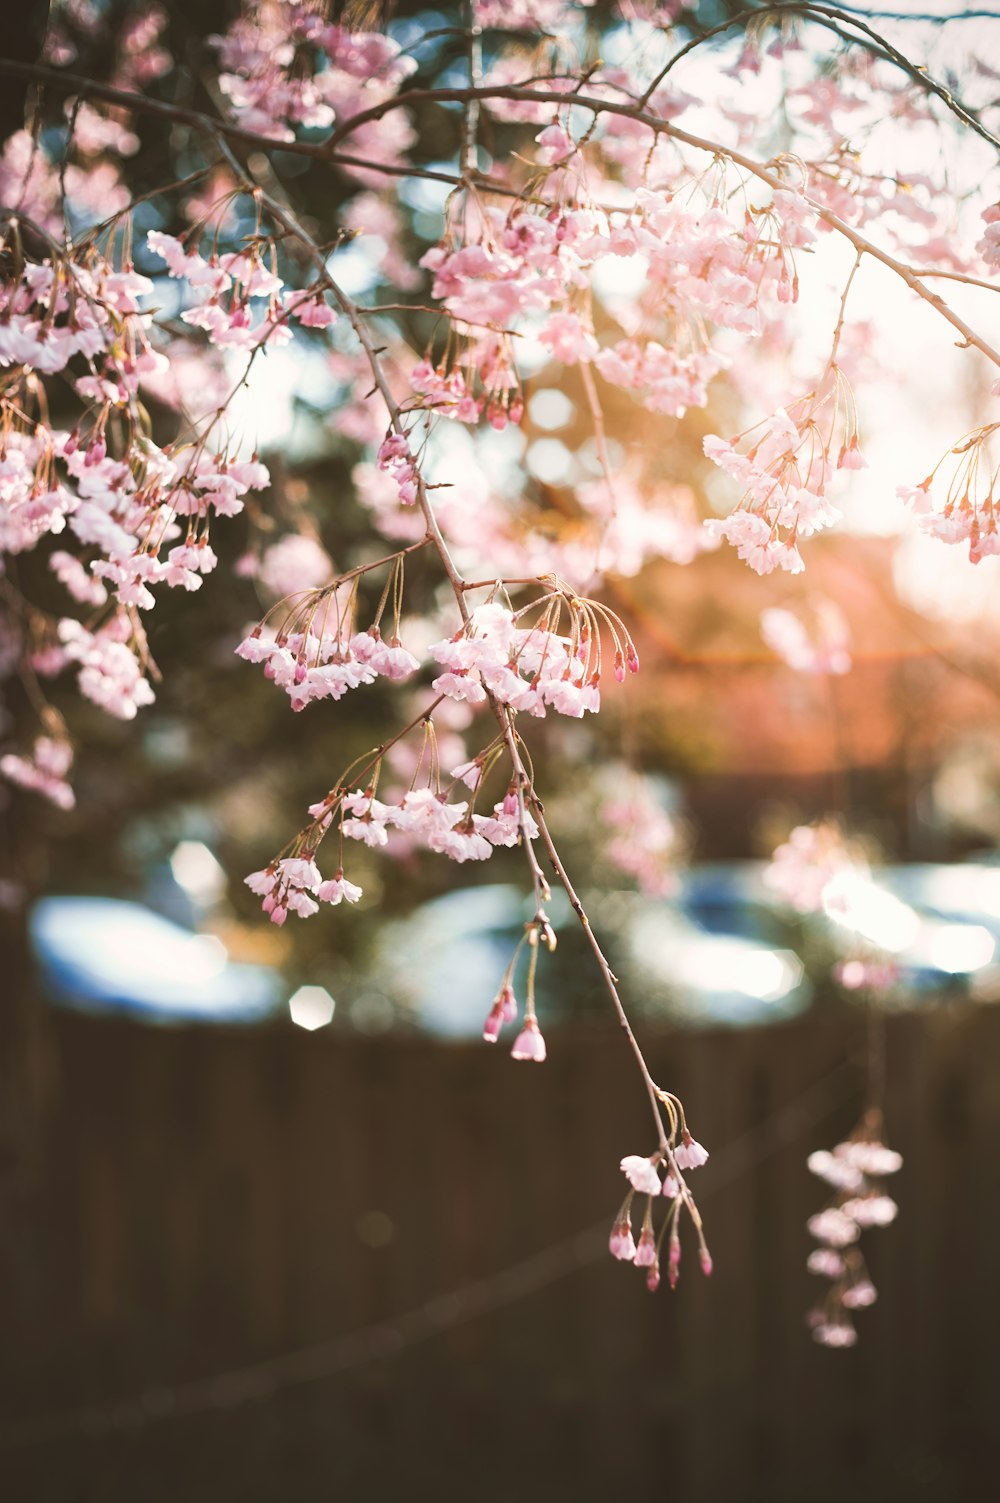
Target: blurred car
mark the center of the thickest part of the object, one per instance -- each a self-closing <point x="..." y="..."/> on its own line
<point x="723" y="950"/>
<point x="443" y="964"/>
<point x="934" y="923"/>
<point x="106" y="955"/>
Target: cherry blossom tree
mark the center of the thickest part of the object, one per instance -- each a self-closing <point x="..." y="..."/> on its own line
<point x="656" y="210"/>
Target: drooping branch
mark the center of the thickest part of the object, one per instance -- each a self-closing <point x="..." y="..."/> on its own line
<point x="502" y="712"/>
<point x="222" y="131"/>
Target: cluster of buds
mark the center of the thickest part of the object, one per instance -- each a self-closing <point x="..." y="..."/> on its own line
<point x="643" y="1174"/>
<point x="856" y="1170"/>
<point x="529" y="1043"/>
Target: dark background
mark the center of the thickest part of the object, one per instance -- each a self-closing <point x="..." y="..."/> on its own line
<point x="260" y="1265"/>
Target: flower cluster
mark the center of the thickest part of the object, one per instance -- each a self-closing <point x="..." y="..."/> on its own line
<point x="294" y="884"/>
<point x="422" y="816"/>
<point x="529" y="1043"/>
<point x="287" y="67"/>
<point x="226" y="289"/>
<point x="486" y="382"/>
<point x="785" y="475"/>
<point x="44" y="770"/>
<point x="530" y="669"/>
<point x="316" y="663"/>
<point x="431" y="820"/>
<point x="134" y="514"/>
<point x="855" y="1170"/>
<point x="969" y="514"/>
<point x="395" y="459"/>
<point x="110" y="672"/>
<point x="680" y="1153"/>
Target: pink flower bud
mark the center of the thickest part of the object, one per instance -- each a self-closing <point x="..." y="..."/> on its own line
<point x="621" y="1245"/>
<point x="493" y="1024"/>
<point x="507" y="1003"/>
<point x="645" y="1253"/>
<point x="674" y="1259"/>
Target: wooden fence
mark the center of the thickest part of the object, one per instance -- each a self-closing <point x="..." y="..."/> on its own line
<point x="429" y="1223"/>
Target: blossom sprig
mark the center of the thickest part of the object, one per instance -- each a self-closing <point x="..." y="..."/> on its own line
<point x="968" y="514"/>
<point x="533" y="669"/>
<point x="678" y="1153"/>
<point x="313" y="649"/>
<point x="44" y="770"/>
<point x="785" y="471"/>
<point x="642" y="840"/>
<point x="476" y="376"/>
<point x="423" y="815"/>
<point x="529" y="1043"/>
<point x="856" y="1170"/>
<point x="134" y="514"/>
<point x="291" y="69"/>
<point x="226" y="290"/>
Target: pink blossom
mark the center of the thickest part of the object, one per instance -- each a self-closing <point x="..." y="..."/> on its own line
<point x="833" y="1227"/>
<point x="871" y="1158"/>
<point x="529" y="1043"/>
<point x="836" y="1171"/>
<point x="838" y="1333"/>
<point x="641" y="1173"/>
<point x="871" y="1210"/>
<point x="338" y="889"/>
<point x="859" y="1295"/>
<point x="688" y="1154"/>
<point x="44" y="771"/>
<point x="824" y="1261"/>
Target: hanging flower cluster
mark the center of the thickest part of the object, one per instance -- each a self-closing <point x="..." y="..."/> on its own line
<point x="135" y="514"/>
<point x="968" y="514"/>
<point x="679" y="1154"/>
<point x="533" y="669"/>
<point x="286" y="66"/>
<point x="785" y="474"/>
<point x="856" y="1170"/>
